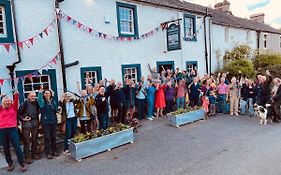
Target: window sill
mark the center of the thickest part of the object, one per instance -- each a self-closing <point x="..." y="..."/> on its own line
<point x="190" y="39"/>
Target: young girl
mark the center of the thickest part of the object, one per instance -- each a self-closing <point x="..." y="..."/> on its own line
<point x="205" y="105"/>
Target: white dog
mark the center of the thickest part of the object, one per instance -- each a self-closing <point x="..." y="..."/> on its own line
<point x="262" y="114"/>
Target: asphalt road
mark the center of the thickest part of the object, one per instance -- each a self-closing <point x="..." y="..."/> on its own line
<point x="222" y="145"/>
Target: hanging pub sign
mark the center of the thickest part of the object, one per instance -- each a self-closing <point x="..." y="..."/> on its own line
<point x="173" y="37"/>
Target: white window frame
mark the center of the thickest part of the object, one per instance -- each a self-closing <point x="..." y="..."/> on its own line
<point x="4" y="35"/>
<point x="93" y="79"/>
<point x="130" y="71"/>
<point x="226" y="34"/>
<point x="130" y="23"/>
<point x="26" y="92"/>
<point x="189" y="30"/>
<point x="265" y="40"/>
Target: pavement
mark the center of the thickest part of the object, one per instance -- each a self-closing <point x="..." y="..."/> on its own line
<point x="221" y="145"/>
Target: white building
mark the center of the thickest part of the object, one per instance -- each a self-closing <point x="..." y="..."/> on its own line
<point x="128" y="46"/>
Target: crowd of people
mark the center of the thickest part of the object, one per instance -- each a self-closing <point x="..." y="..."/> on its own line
<point x="107" y="102"/>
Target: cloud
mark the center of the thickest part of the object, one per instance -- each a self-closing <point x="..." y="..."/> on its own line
<point x="245" y="8"/>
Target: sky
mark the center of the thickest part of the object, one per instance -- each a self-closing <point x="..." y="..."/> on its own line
<point x="245" y="8"/>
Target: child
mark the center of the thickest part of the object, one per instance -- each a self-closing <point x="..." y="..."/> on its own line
<point x="205" y="105"/>
<point x="212" y="100"/>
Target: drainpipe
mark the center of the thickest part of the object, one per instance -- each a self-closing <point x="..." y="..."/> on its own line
<point x="13" y="66"/>
<point x="210" y="45"/>
<point x="205" y="39"/>
<point x="258" y="41"/>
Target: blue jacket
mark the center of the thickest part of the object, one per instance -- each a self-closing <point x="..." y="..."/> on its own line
<point x="48" y="110"/>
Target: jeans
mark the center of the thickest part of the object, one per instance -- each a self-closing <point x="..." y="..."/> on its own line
<point x="140" y="106"/>
<point x="86" y="126"/>
<point x="103" y="120"/>
<point x="150" y="107"/>
<point x="251" y="106"/>
<point x="243" y="106"/>
<point x="180" y="102"/>
<point x="222" y="103"/>
<point x="71" y="127"/>
<point x="27" y="141"/>
<point x="50" y="133"/>
<point x="8" y="135"/>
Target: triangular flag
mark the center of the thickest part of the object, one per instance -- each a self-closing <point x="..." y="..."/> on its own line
<point x="41" y="35"/>
<point x="22" y="79"/>
<point x="35" y="73"/>
<point x="53" y="24"/>
<point x="40" y="71"/>
<point x="68" y="18"/>
<point x="74" y="22"/>
<point x="20" y="44"/>
<point x="14" y="46"/>
<point x="99" y="34"/>
<point x="1" y="82"/>
<point x="54" y="60"/>
<point x="90" y="30"/>
<point x="27" y="44"/>
<point x="79" y="25"/>
<point x="7" y="47"/>
<point x="31" y="40"/>
<point x="58" y="57"/>
<point x="46" y="31"/>
<point x="29" y="76"/>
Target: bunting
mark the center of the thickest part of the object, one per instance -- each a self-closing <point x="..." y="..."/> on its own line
<point x="37" y="72"/>
<point x="30" y="41"/>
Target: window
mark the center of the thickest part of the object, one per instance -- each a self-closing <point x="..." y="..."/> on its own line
<point x="132" y="71"/>
<point x="280" y="41"/>
<point x="265" y="40"/>
<point x="165" y="64"/>
<point x="91" y="73"/>
<point x="248" y="36"/>
<point x="3" y="31"/>
<point x="190" y="27"/>
<point x="226" y="34"/>
<point x="127" y="20"/>
<point x="33" y="84"/>
<point x="191" y="65"/>
<point x="26" y="85"/>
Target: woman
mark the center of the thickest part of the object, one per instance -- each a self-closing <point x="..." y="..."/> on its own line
<point x="9" y="132"/>
<point x="48" y="109"/>
<point x="170" y="96"/>
<point x="277" y="99"/>
<point x="222" y="96"/>
<point x="251" y="95"/>
<point x="150" y="100"/>
<point x="102" y="108"/>
<point x="180" y="86"/>
<point x="195" y="90"/>
<point x="69" y="114"/>
<point x="160" y="102"/>
<point x="233" y="91"/>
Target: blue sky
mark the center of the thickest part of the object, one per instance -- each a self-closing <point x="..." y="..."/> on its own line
<point x="245" y="8"/>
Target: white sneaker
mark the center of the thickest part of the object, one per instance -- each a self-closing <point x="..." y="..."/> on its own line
<point x="236" y="114"/>
<point x="150" y="119"/>
<point x="231" y="113"/>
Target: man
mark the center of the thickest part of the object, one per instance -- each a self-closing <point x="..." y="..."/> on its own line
<point x="277" y="100"/>
<point x="29" y="117"/>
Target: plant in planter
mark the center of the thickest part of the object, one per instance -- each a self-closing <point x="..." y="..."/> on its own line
<point x="182" y="111"/>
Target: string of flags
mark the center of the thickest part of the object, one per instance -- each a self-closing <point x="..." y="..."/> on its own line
<point x="35" y="73"/>
<point x="30" y="41"/>
<point x="102" y="35"/>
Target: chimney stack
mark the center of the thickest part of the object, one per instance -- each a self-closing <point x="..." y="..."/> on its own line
<point x="257" y="17"/>
<point x="223" y="6"/>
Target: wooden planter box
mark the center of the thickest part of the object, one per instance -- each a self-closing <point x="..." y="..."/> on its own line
<point x="101" y="144"/>
<point x="186" y="118"/>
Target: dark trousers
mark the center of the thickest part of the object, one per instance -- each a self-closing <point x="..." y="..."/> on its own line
<point x="169" y="105"/>
<point x="140" y="106"/>
<point x="30" y="136"/>
<point x="121" y="112"/>
<point x="50" y="133"/>
<point x="86" y="126"/>
<point x="276" y="107"/>
<point x="71" y="127"/>
<point x="194" y="101"/>
<point x="8" y="135"/>
<point x="103" y="120"/>
<point x="212" y="109"/>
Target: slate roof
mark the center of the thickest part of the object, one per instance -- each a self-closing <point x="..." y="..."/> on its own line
<point x="219" y="17"/>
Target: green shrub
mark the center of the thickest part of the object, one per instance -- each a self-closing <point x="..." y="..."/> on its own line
<point x="244" y="65"/>
<point x="238" y="53"/>
<point x="264" y="61"/>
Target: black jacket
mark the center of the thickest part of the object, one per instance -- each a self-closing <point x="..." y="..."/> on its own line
<point x="32" y="109"/>
<point x="277" y="97"/>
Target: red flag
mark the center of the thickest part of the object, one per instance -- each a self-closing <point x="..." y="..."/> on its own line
<point x="68" y="18"/>
<point x="29" y="76"/>
<point x="46" y="31"/>
<point x="31" y="40"/>
<point x="90" y="30"/>
<point x="20" y="45"/>
<point x="130" y="39"/>
<point x="1" y="82"/>
<point x="54" y="60"/>
<point x="7" y="47"/>
<point x="79" y="25"/>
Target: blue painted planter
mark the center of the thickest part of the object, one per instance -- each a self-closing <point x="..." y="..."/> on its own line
<point x="101" y="144"/>
<point x="186" y="118"/>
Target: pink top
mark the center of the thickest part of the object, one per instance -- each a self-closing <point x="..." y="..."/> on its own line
<point x="8" y="117"/>
<point x="181" y="91"/>
<point x="223" y="88"/>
